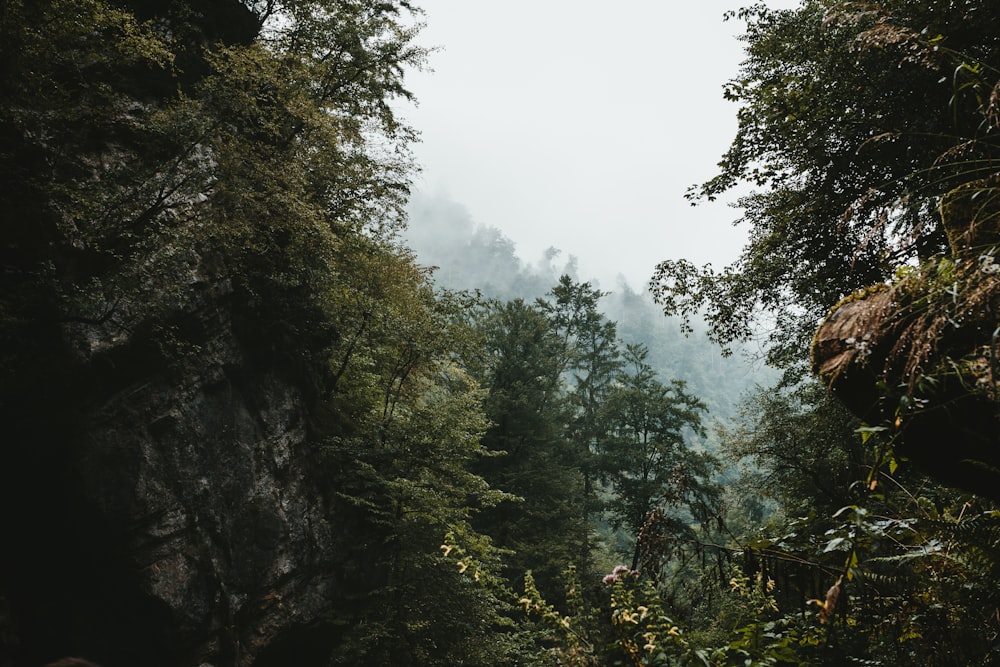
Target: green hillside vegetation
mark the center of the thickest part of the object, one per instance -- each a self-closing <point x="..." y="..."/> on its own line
<point x="468" y="256"/>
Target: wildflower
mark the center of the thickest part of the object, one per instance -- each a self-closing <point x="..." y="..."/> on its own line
<point x="643" y="611"/>
<point x="462" y="566"/>
<point x="446" y="548"/>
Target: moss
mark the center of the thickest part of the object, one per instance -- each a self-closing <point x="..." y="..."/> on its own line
<point x="819" y="349"/>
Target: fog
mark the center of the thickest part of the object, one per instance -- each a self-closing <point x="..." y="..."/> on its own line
<point x="580" y="125"/>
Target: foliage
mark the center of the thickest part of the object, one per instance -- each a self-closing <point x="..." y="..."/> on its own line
<point x="855" y="117"/>
<point x="644" y="454"/>
<point x="523" y="360"/>
<point x="904" y="572"/>
<point x="245" y="160"/>
<point x="798" y="448"/>
<point x="169" y="163"/>
<point x="869" y="130"/>
<point x="878" y="554"/>
<point x="633" y="625"/>
<point x="592" y="362"/>
<point x="575" y="435"/>
<point x="408" y="429"/>
<point x="144" y="155"/>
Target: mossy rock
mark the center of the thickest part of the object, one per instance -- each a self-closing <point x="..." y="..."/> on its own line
<point x="842" y="346"/>
<point x="921" y="356"/>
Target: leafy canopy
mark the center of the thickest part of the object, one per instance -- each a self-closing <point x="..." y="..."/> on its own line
<point x="855" y="117"/>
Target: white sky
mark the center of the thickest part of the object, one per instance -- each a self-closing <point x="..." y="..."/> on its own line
<point x="580" y="124"/>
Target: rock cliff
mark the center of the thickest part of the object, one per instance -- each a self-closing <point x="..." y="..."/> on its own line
<point x="159" y="505"/>
<point x="155" y="467"/>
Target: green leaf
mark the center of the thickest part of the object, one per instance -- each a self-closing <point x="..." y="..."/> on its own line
<point x="838" y="544"/>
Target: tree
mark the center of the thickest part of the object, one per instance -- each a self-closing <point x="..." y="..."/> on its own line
<point x="855" y="117"/>
<point x="242" y="144"/>
<point x="798" y="448"/>
<point x="644" y="455"/>
<point x="163" y="160"/>
<point x="524" y="357"/>
<point x="592" y="362"/>
<point x="405" y="428"/>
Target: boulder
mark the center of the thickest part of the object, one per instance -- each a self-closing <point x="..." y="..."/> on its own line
<point x="920" y="355"/>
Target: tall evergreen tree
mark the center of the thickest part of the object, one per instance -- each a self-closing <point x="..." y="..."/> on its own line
<point x="407" y="430"/>
<point x="526" y="402"/>
<point x="645" y="456"/>
<point x="592" y="363"/>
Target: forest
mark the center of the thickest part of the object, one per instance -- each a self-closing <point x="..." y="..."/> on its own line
<point x="254" y="417"/>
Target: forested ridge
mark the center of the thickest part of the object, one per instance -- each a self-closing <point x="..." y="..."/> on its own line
<point x="245" y="425"/>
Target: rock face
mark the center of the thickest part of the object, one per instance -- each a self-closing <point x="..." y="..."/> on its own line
<point x="842" y="349"/>
<point x="159" y="508"/>
<point x="922" y="355"/>
<point x="156" y="493"/>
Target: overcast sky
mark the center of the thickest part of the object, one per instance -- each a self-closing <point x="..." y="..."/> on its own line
<point x="580" y="124"/>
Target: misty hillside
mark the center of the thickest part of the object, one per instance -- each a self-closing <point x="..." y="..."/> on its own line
<point x="472" y="256"/>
